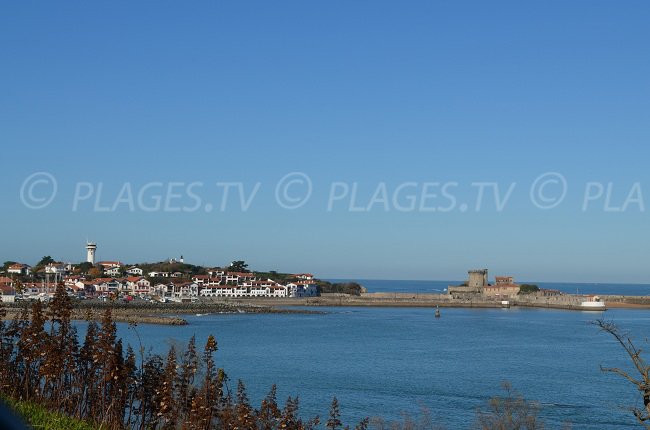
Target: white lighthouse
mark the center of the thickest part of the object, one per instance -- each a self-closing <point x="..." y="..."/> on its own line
<point x="90" y="248"/>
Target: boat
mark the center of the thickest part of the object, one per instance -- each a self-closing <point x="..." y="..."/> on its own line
<point x="594" y="303"/>
<point x="437" y="313"/>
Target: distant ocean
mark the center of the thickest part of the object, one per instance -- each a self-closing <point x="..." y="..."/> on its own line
<point x="401" y="286"/>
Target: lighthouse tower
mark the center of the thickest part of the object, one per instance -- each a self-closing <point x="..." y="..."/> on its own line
<point x="90" y="248"/>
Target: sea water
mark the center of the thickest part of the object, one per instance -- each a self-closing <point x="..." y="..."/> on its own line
<point x="387" y="361"/>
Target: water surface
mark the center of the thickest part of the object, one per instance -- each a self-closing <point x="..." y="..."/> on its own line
<point x="382" y="361"/>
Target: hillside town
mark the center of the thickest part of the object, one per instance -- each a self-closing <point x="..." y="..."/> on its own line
<point x="178" y="282"/>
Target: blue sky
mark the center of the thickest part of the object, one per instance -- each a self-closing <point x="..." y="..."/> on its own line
<point x="367" y="92"/>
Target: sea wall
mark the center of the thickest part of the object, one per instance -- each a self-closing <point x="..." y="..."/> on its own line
<point x="569" y="302"/>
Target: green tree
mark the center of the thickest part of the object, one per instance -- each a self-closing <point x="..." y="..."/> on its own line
<point x="45" y="261"/>
<point x="239" y="266"/>
<point x="6" y="265"/>
<point x="84" y="267"/>
<point x="528" y="288"/>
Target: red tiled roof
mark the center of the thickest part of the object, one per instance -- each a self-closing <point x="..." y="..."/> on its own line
<point x="102" y="280"/>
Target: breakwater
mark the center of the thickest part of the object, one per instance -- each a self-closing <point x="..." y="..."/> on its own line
<point x="386" y="299"/>
<point x="172" y="313"/>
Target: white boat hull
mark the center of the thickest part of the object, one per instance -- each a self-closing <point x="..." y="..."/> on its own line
<point x="593" y="306"/>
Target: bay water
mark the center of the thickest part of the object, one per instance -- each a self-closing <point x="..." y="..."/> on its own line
<point x="388" y="361"/>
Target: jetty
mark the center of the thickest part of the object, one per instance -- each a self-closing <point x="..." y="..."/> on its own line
<point x="385" y="299"/>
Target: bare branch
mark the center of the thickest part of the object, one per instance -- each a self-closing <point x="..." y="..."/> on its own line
<point x="642" y="384"/>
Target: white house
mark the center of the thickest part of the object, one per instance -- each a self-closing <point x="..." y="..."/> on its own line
<point x="109" y="264"/>
<point x="19" y="269"/>
<point x="135" y="271"/>
<point x="181" y="290"/>
<point x="138" y="284"/>
<point x="69" y="281"/>
<point x="279" y="291"/>
<point x="223" y="291"/>
<point x="87" y="286"/>
<point x="107" y="285"/>
<point x="232" y="278"/>
<point x="158" y="274"/>
<point x="216" y="272"/>
<point x="113" y="271"/>
<point x="55" y="268"/>
<point x="158" y="290"/>
<point x="201" y="279"/>
<point x="237" y="277"/>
